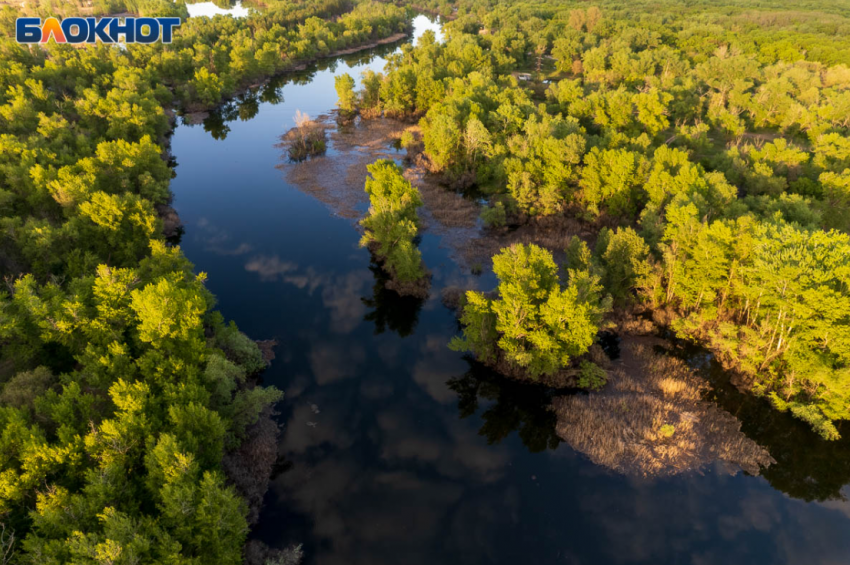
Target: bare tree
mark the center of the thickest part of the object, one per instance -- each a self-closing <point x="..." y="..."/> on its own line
<point x="7" y="545"/>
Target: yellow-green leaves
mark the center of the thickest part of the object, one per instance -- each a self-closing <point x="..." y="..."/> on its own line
<point x="392" y="222"/>
<point x="168" y="313"/>
<point x="535" y="324"/>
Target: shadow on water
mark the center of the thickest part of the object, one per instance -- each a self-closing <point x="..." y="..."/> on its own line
<point x="511" y="406"/>
<point x="610" y="343"/>
<point x="387" y="309"/>
<point x="807" y="467"/>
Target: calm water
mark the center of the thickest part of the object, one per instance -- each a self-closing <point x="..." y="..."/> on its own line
<point x="209" y="9"/>
<point x="395" y="450"/>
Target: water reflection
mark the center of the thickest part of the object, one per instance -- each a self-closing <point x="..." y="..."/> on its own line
<point x="513" y="407"/>
<point x="807" y="466"/>
<point x="377" y="467"/>
<point x="217" y="8"/>
<point x="216" y="125"/>
<point x="217" y="240"/>
<point x="249" y="106"/>
<point x="246" y="105"/>
<point x="388" y="310"/>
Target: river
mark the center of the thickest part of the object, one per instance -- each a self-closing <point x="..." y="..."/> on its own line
<point x="396" y="450"/>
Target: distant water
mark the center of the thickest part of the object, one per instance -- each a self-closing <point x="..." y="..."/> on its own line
<point x="209" y="9"/>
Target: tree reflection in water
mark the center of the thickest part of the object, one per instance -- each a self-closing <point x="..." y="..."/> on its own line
<point x="389" y="310"/>
<point x="248" y="107"/>
<point x="807" y="467"/>
<point x="512" y="406"/>
<point x="216" y="125"/>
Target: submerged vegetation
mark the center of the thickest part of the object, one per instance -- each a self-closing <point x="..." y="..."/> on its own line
<point x="713" y="139"/>
<point x="654" y="421"/>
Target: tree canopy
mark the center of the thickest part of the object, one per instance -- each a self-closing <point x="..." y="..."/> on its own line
<point x="535" y="324"/>
<point x="392" y="224"/>
<point x="121" y="388"/>
<point x="713" y="135"/>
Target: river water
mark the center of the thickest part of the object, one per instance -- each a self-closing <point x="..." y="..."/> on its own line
<point x="209" y="9"/>
<point x="395" y="450"/>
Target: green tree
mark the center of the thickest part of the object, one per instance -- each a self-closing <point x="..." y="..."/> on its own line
<point x="624" y="257"/>
<point x="347" y="100"/>
<point x="392" y="222"/>
<point x="535" y="324"/>
<point x="836" y="196"/>
<point x="370" y="97"/>
<point x="442" y="138"/>
<point x="612" y="179"/>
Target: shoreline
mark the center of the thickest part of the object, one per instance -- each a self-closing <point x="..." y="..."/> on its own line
<point x="299" y="67"/>
<point x="171" y="220"/>
<point x="467" y="241"/>
<point x="259" y="450"/>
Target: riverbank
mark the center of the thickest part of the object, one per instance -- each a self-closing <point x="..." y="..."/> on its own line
<point x="385" y="430"/>
<point x="249" y="466"/>
<point x="707" y="433"/>
<point x="172" y="225"/>
<point x="195" y="113"/>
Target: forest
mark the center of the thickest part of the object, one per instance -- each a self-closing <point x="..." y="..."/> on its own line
<point x="705" y="147"/>
<point x="124" y="392"/>
<point x="712" y="167"/>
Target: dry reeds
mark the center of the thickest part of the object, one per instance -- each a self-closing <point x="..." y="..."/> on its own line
<point x="306" y="139"/>
<point x="338" y="181"/>
<point x="651" y="420"/>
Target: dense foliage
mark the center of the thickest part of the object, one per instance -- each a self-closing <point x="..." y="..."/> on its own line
<point x="121" y="389"/>
<point x="718" y="134"/>
<point x="714" y="136"/>
<point x="210" y="59"/>
<point x="536" y="323"/>
<point x="392" y="224"/>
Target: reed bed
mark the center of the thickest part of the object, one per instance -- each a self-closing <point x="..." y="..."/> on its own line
<point x="651" y="420"/>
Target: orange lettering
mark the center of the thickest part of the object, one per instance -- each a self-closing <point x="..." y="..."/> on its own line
<point x="51" y="27"/>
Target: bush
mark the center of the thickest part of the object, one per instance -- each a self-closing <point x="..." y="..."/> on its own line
<point x="494" y="216"/>
<point x="22" y="390"/>
<point x="392" y="222"/>
<point x="535" y="324"/>
<point x="591" y="376"/>
<point x="407" y="139"/>
<point x="306" y="139"/>
<point x="347" y="102"/>
<point x="239" y="348"/>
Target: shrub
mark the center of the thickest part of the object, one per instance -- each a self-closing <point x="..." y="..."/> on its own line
<point x="306" y="139"/>
<point x="535" y="323"/>
<point x="407" y="139"/>
<point x="392" y="222"/>
<point x="591" y="376"/>
<point x="494" y="216"/>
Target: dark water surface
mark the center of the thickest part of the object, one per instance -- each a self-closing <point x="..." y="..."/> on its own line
<point x="396" y="450"/>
